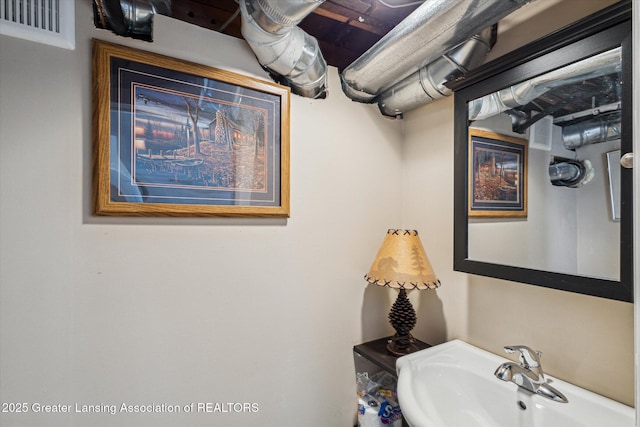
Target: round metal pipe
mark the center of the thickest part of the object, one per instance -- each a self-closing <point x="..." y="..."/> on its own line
<point x="431" y="30"/>
<point x="428" y="83"/>
<point x="291" y="55"/>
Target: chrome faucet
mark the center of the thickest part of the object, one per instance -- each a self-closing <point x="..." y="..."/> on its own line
<point x="528" y="374"/>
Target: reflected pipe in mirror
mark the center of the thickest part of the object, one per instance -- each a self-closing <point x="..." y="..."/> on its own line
<point x="542" y="213"/>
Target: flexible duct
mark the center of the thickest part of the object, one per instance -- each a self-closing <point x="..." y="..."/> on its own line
<point x="428" y="83"/>
<point x="432" y="29"/>
<point x="292" y="56"/>
<point x="593" y="131"/>
<point x="571" y="173"/>
<point x="131" y="18"/>
<point x="521" y="94"/>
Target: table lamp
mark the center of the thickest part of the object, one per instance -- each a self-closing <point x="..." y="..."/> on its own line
<point x="401" y="263"/>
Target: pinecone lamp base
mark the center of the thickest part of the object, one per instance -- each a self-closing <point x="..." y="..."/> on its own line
<point x="400" y="346"/>
<point x="401" y="263"/>
<point x="403" y="318"/>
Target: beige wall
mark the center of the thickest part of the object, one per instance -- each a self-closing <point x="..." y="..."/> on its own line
<point x="587" y="341"/>
<point x="97" y="310"/>
<point x="111" y="310"/>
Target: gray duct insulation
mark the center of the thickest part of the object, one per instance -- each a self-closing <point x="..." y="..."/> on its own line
<point x="434" y="34"/>
<point x="428" y="83"/>
<point x="433" y="29"/>
<point x="571" y="173"/>
<point x="292" y="56"/>
<point x="132" y="18"/>
<point x="592" y="131"/>
<point x="521" y="94"/>
<point x="269" y="26"/>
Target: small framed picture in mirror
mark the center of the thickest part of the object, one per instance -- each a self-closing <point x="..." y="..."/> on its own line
<point x="497" y="175"/>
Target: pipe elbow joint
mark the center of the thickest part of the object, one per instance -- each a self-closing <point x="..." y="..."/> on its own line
<point x="291" y="56"/>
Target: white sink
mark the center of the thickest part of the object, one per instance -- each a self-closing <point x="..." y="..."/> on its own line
<point x="452" y="385"/>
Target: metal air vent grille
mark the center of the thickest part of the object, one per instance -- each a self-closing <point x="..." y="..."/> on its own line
<point x="50" y="22"/>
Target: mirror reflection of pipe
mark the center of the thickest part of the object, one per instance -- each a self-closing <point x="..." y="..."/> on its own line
<point x="593" y="131"/>
<point x="571" y="173"/>
<point x="521" y="94"/>
<point x="566" y="171"/>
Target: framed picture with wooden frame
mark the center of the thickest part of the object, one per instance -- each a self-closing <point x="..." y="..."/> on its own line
<point x="175" y="138"/>
<point x="497" y="175"/>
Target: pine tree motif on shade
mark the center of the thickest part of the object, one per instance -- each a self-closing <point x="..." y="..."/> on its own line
<point x="402" y="263"/>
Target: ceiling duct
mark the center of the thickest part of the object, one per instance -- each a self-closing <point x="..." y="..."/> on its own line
<point x="433" y="29"/>
<point x="129" y="18"/>
<point x="592" y="131"/>
<point x="428" y="83"/>
<point x="570" y="172"/>
<point x="291" y="56"/>
<point x="605" y="63"/>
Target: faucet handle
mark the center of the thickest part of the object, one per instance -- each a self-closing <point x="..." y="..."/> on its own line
<point x="528" y="357"/>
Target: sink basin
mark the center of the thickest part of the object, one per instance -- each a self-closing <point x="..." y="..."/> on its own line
<point x="452" y="385"/>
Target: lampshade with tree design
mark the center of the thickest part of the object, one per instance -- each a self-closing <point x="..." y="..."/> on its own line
<point x="402" y="263"/>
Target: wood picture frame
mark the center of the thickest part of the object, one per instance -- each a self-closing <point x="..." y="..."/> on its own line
<point x="497" y="184"/>
<point x="175" y="138"/>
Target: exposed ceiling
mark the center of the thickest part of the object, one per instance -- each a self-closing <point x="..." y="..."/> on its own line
<point x="345" y="29"/>
<point x="588" y="95"/>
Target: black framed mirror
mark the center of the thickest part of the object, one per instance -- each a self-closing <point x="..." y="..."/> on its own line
<point x="539" y="195"/>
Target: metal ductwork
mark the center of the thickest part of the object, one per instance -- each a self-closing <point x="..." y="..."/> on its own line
<point x="291" y="56"/>
<point x="592" y="131"/>
<point x="433" y="29"/>
<point x="428" y="83"/>
<point x="521" y="94"/>
<point x="570" y="173"/>
<point x="129" y="18"/>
